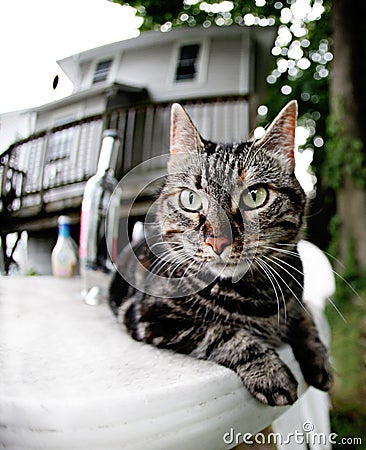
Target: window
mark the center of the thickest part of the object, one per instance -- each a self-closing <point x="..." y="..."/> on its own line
<point x="187" y="62"/>
<point x="102" y="71"/>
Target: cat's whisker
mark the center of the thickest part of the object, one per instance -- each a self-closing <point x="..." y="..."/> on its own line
<point x="333" y="271"/>
<point x="335" y="259"/>
<point x="346" y="283"/>
<point x="170" y="243"/>
<point x="337" y="310"/>
<point x="288" y="286"/>
<point x="180" y="258"/>
<point x="168" y="252"/>
<point x="179" y="262"/>
<point x="158" y="266"/>
<point x="284" y="251"/>
<point x="185" y="272"/>
<point x="275" y="274"/>
<point x="163" y="260"/>
<point x="278" y="264"/>
<point x="268" y="272"/>
<point x="190" y="265"/>
<point x="288" y="265"/>
<point x="171" y="272"/>
<point x="162" y="240"/>
<point x="290" y="274"/>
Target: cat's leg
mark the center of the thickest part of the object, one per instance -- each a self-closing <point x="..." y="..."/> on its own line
<point x="262" y="371"/>
<point x="310" y="352"/>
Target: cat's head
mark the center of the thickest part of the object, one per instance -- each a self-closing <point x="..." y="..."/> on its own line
<point x="224" y="204"/>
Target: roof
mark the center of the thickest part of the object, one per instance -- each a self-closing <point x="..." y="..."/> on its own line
<point x="102" y="89"/>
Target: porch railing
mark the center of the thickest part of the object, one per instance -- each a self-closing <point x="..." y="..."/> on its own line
<point x="145" y="129"/>
<point x="50" y="167"/>
<point x="46" y="173"/>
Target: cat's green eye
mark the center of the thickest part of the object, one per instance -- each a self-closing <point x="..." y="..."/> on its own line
<point x="255" y="197"/>
<point x="190" y="200"/>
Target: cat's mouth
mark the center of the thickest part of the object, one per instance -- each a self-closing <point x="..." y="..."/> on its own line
<point x="233" y="269"/>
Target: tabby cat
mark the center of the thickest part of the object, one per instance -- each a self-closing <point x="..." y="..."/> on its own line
<point x="218" y="275"/>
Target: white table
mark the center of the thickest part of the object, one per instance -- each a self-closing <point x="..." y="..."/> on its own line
<point x="71" y="378"/>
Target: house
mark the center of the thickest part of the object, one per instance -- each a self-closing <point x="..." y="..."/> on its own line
<point x="218" y="74"/>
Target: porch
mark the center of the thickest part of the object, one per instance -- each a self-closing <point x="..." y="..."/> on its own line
<point x="44" y="176"/>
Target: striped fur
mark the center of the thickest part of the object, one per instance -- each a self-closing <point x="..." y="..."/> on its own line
<point x="218" y="279"/>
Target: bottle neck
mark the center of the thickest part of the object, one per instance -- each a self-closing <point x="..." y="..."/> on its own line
<point x="108" y="154"/>
<point x="64" y="230"/>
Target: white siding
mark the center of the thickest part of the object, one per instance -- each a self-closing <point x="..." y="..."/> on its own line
<point x="228" y="66"/>
<point x="89" y="107"/>
<point x="146" y="67"/>
<point x="227" y="69"/>
<point x="221" y="122"/>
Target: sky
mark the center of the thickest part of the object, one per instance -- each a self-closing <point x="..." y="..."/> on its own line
<point x="34" y="34"/>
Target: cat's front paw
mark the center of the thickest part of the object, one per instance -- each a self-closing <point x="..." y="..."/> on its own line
<point x="318" y="373"/>
<point x="272" y="383"/>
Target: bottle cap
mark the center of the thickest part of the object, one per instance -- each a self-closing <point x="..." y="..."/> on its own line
<point x="110" y="133"/>
<point x="64" y="220"/>
<point x="109" y="150"/>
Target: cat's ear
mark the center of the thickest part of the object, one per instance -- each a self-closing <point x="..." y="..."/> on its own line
<point x="279" y="138"/>
<point x="184" y="137"/>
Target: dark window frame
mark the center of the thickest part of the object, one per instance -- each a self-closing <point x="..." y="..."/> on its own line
<point x="187" y="63"/>
<point x="102" y="70"/>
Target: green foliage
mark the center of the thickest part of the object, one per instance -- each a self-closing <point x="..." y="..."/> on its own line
<point x="190" y="13"/>
<point x="349" y="424"/>
<point x="353" y="279"/>
<point x="345" y="157"/>
<point x="348" y="352"/>
<point x="334" y="226"/>
<point x="154" y="12"/>
<point x="301" y="52"/>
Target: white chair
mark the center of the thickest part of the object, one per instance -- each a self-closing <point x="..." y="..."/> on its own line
<point x="311" y="412"/>
<point x="70" y="378"/>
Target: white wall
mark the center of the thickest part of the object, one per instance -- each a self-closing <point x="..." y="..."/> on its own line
<point x="60" y="115"/>
<point x="225" y="68"/>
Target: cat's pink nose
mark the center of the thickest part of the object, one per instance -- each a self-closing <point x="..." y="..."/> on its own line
<point x="218" y="244"/>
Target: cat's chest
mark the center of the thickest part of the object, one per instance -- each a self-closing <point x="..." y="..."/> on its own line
<point x="241" y="293"/>
<point x="240" y="302"/>
<point x="228" y="307"/>
<point x="219" y="291"/>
